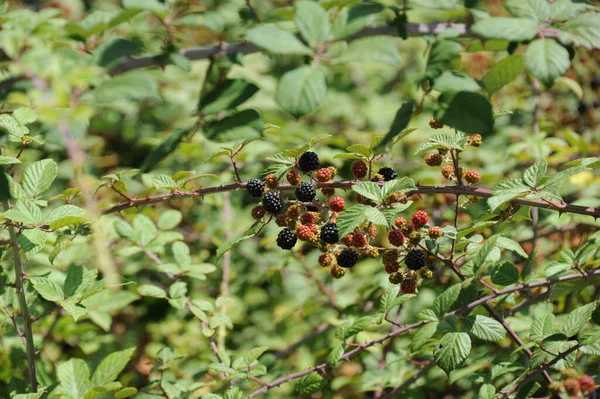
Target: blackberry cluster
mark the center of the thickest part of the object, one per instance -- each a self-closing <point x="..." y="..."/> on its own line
<point x="388" y="173"/>
<point x="272" y="203"/>
<point x="308" y="162"/>
<point x="286" y="239"/>
<point x="329" y="233"/>
<point x="255" y="187"/>
<point x="415" y="259"/>
<point x="305" y="192"/>
<point x="347" y="258"/>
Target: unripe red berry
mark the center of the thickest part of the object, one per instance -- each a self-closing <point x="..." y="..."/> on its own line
<point x="472" y="176"/>
<point x="587" y="383"/>
<point x="293" y="177"/>
<point x="325" y="259"/>
<point x="306" y="231"/>
<point x="258" y="212"/>
<point x="337" y="204"/>
<point x="309" y="218"/>
<point x="572" y="386"/>
<point x="396" y="238"/>
<point x="371" y="229"/>
<point x="474" y="140"/>
<point x="391" y="267"/>
<point x="323" y="175"/>
<point x="408" y="286"/>
<point x="435" y="232"/>
<point x="419" y="219"/>
<point x="400" y="222"/>
<point x="337" y="271"/>
<point x="447" y="171"/>
<point x="359" y="240"/>
<point x="271" y="180"/>
<point x="433" y="159"/>
<point x="347" y="239"/>
<point x="359" y="169"/>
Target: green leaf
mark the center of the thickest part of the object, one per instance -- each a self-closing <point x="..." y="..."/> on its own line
<point x="164" y="181"/>
<point x="351" y="218"/>
<point x="542" y="327"/>
<point x="76" y="310"/>
<point x="380" y="49"/>
<point x="227" y="95"/>
<point x="301" y="90"/>
<point x="578" y="319"/>
<point x="125" y="392"/>
<point x="506" y="191"/>
<point x="563" y="175"/>
<point x="111" y="366"/>
<point x="485" y="250"/>
<point x="546" y="60"/>
<point x="511" y="245"/>
<point x="48" y="289"/>
<point x="454" y="81"/>
<point x="422" y="335"/>
<point x="113" y="52"/>
<point x="4" y="187"/>
<point x="25" y="115"/>
<point x="511" y="29"/>
<point x="398" y="186"/>
<point x="485" y="328"/>
<point x="39" y="177"/>
<point x="466" y="111"/>
<point x="14" y="129"/>
<point x="151" y="291"/>
<point x="312" y="22"/>
<point x="360" y="149"/>
<point x="169" y="219"/>
<point x="487" y="391"/>
<point x="535" y="173"/>
<point x="164" y="149"/>
<point x="336" y="353"/>
<point x="29" y="395"/>
<point x="253" y="354"/>
<point x="65" y="215"/>
<point x="452" y="351"/>
<point x="506" y="274"/>
<point x="309" y="384"/>
<point x="32" y="241"/>
<point x="368" y="189"/>
<point x="446" y="300"/>
<point x="276" y="40"/>
<point x="154" y="6"/>
<point x="73" y="280"/>
<point x="503" y="72"/>
<point x="583" y="30"/>
<point x="533" y="9"/>
<point x="442" y="53"/>
<point x="400" y="122"/>
<point x="351" y="20"/>
<point x="226" y="246"/>
<point x="136" y="85"/>
<point x="375" y="216"/>
<point x="178" y="289"/>
<point x="240" y="125"/>
<point x="74" y="378"/>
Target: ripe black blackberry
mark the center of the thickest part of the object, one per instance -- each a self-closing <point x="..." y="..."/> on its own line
<point x="308" y="162"/>
<point x="272" y="203"/>
<point x="347" y="258"/>
<point x="415" y="259"/>
<point x="305" y="192"/>
<point x="388" y="173"/>
<point x="329" y="233"/>
<point x="286" y="239"/>
<point x="255" y="187"/>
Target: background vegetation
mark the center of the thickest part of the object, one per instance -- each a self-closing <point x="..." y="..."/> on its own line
<point x="131" y="265"/>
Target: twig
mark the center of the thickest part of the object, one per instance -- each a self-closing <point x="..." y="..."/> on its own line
<point x="227" y="220"/>
<point x="21" y="294"/>
<point x="346" y="185"/>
